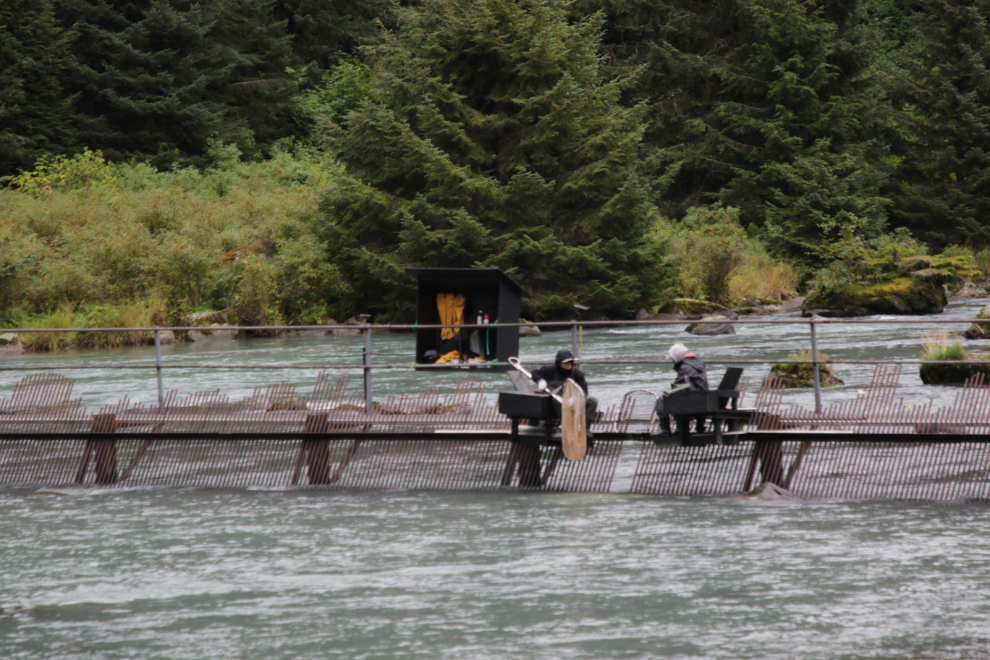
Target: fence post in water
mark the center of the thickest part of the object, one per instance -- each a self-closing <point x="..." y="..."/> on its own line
<point x="814" y="368"/>
<point x="158" y="367"/>
<point x="368" y="406"/>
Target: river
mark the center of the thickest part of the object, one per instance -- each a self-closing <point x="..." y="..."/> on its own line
<point x="176" y="574"/>
<point x="774" y="341"/>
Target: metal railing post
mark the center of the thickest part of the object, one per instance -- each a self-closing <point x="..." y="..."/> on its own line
<point x="366" y="353"/>
<point x="814" y="367"/>
<point x="575" y="349"/>
<point x="158" y="367"/>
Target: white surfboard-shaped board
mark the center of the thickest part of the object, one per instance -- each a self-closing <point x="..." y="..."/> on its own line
<point x="573" y="432"/>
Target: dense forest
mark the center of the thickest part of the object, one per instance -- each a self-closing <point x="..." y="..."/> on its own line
<point x="285" y="159"/>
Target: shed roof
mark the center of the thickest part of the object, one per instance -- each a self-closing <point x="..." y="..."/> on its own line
<point x="485" y="275"/>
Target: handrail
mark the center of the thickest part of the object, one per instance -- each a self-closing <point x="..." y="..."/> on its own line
<point x="465" y="367"/>
<point x="368" y="329"/>
<point x="908" y="320"/>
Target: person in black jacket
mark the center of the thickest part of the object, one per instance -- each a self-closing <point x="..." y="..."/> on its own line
<point x="553" y="376"/>
<point x="691" y="376"/>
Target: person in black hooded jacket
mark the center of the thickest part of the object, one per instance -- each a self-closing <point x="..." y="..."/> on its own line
<point x="690" y="373"/>
<point x="553" y="376"/>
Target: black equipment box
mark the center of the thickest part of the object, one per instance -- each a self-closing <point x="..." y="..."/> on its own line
<point x="531" y="406"/>
<point x="692" y="403"/>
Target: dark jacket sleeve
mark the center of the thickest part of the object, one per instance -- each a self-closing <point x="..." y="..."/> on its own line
<point x="546" y="372"/>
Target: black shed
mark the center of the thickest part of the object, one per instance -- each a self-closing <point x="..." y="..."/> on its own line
<point x="487" y="292"/>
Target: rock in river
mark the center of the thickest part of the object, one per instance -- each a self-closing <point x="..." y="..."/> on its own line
<point x="529" y="331"/>
<point x="979" y="330"/>
<point x="904" y="295"/>
<point x="215" y="333"/>
<point x="10" y="344"/>
<point x="712" y="325"/>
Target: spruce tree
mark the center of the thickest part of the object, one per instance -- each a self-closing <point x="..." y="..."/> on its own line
<point x="35" y="111"/>
<point x="160" y="79"/>
<point x="941" y="185"/>
<point x="494" y="141"/>
<point x="766" y="105"/>
<point x="322" y="31"/>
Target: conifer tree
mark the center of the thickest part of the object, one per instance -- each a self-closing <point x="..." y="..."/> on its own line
<point x="493" y="141"/>
<point x="321" y="31"/>
<point x="35" y="111"/>
<point x="765" y="105"/>
<point x="160" y="79"/>
<point x="941" y="186"/>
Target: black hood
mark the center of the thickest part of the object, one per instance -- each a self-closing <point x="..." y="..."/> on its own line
<point x="563" y="354"/>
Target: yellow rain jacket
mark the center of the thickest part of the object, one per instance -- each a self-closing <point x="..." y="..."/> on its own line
<point x="449" y="357"/>
<point x="451" y="308"/>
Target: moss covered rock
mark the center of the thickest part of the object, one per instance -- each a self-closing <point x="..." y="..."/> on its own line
<point x="803" y="375"/>
<point x="904" y="295"/>
<point x="951" y="374"/>
<point x="979" y="330"/>
<point x="712" y="325"/>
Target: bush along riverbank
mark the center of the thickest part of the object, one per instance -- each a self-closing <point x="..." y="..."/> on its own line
<point x="86" y="243"/>
<point x="892" y="275"/>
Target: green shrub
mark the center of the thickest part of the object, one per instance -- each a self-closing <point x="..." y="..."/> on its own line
<point x="83" y="234"/>
<point x="50" y="341"/>
<point x="716" y="260"/>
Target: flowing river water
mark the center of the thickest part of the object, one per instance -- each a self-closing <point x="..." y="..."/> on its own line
<point x="150" y="574"/>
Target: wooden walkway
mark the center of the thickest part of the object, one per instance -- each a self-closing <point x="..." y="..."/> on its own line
<point x="874" y="446"/>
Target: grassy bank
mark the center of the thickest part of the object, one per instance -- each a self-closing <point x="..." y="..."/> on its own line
<point x="109" y="244"/>
<point x="86" y="243"/>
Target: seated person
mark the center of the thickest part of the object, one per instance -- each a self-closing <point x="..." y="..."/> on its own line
<point x="553" y="376"/>
<point x="691" y="373"/>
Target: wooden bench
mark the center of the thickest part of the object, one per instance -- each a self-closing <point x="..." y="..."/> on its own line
<point x="719" y="405"/>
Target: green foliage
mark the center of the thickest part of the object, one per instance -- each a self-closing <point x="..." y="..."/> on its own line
<point x="157" y="80"/>
<point x="853" y="260"/>
<point x="981" y="261"/>
<point x="125" y="315"/>
<point x="50" y="341"/>
<point x="344" y="88"/>
<point x="496" y="143"/>
<point x="322" y="31"/>
<point x="766" y="105"/>
<point x="715" y="259"/>
<point x="35" y="110"/>
<point x="942" y="97"/>
<point x="708" y="245"/>
<point x="953" y="352"/>
<point x="62" y="173"/>
<point x="162" y="239"/>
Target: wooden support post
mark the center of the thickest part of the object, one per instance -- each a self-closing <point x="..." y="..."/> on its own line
<point x="314" y="453"/>
<point x="529" y="466"/>
<point x="318" y="451"/>
<point x="769" y="455"/>
<point x="796" y="463"/>
<point x="104" y="452"/>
